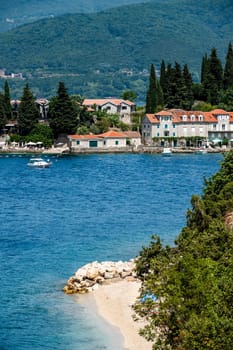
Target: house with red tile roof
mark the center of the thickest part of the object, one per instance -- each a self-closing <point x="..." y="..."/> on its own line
<point x="177" y="123"/>
<point x="106" y="141"/>
<point x="123" y="108"/>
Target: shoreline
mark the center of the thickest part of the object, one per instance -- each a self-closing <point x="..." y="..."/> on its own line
<point x="62" y="152"/>
<point x="113" y="303"/>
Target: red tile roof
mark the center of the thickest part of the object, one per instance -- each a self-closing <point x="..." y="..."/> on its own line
<point x="113" y="134"/>
<point x="177" y="116"/>
<point x="84" y="137"/>
<point x="152" y="118"/>
<point x="108" y="134"/>
<point x="103" y="101"/>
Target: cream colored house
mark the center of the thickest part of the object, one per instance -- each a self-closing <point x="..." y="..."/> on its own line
<point x="176" y="124"/>
<point x="123" y="108"/>
<point x="134" y="138"/>
<point x="108" y="140"/>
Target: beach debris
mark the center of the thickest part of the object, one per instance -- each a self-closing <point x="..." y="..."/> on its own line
<point x="88" y="277"/>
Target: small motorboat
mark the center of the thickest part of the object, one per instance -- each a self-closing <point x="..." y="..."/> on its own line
<point x="39" y="163"/>
<point x="167" y="152"/>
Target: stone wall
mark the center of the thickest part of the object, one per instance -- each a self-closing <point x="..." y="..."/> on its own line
<point x="88" y="277"/>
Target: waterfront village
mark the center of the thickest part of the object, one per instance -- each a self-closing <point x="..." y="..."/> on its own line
<point x="177" y="129"/>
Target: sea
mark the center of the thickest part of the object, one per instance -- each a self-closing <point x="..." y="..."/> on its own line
<point x="83" y="208"/>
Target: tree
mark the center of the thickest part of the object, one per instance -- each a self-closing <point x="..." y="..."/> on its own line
<point x="41" y="133"/>
<point x="188" y="92"/>
<point x="228" y="69"/>
<point x="28" y="113"/>
<point x="151" y="101"/>
<point x="193" y="280"/>
<point x="7" y="101"/>
<point x="62" y="113"/>
<point x="215" y="77"/>
<point x="3" y="118"/>
<point x="129" y="95"/>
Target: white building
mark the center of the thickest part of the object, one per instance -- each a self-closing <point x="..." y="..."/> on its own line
<point x="176" y="123"/>
<point x="108" y="140"/>
<point x="123" y="108"/>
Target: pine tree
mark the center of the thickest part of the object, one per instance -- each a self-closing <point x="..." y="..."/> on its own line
<point x="62" y="114"/>
<point x="151" y="102"/>
<point x="7" y="101"/>
<point x="28" y="113"/>
<point x="228" y="69"/>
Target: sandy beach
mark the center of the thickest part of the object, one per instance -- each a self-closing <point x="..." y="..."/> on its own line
<point x="113" y="303"/>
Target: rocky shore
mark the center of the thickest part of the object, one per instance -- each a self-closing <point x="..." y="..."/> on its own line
<point x="90" y="276"/>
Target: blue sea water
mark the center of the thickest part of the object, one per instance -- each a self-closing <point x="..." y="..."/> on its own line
<point x="81" y="209"/>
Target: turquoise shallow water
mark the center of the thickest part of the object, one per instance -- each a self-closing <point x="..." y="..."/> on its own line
<point x="83" y="208"/>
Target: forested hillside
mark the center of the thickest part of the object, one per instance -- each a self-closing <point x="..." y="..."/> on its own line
<point x="189" y="287"/>
<point x="18" y="12"/>
<point x="115" y="48"/>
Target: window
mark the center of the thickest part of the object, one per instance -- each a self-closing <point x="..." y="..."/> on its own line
<point x="93" y="143"/>
<point x="223" y="127"/>
<point x="124" y="107"/>
<point x="116" y="142"/>
<point x="165" y="126"/>
<point x="157" y="134"/>
<point x="78" y="142"/>
<point x="174" y="134"/>
<point x="214" y="126"/>
<point x="158" y="126"/>
<point x="184" y="117"/>
<point x="174" y="126"/>
<point x="104" y="142"/>
<point x="192" y="117"/>
<point x="200" y="117"/>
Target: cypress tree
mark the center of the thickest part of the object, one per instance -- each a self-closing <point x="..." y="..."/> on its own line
<point x="163" y="77"/>
<point x="28" y="113"/>
<point x="228" y="69"/>
<point x="3" y="118"/>
<point x="204" y="68"/>
<point x="7" y="101"/>
<point x="151" y="102"/>
<point x="159" y="95"/>
<point x="215" y="77"/>
<point x="62" y="115"/>
<point x="176" y="87"/>
<point x="188" y="92"/>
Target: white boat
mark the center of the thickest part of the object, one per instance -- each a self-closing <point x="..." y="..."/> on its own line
<point x="201" y="151"/>
<point x="167" y="152"/>
<point x="39" y="163"/>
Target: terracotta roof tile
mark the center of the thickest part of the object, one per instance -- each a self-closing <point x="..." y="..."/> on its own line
<point x="112" y="134"/>
<point x="152" y="118"/>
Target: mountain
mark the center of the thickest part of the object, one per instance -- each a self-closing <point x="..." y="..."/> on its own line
<point x="103" y="53"/>
<point x="18" y="12"/>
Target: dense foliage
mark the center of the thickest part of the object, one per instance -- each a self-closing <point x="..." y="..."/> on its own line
<point x="19" y="12"/>
<point x="28" y="114"/>
<point x="74" y="46"/>
<point x="193" y="280"/>
<point x="62" y="113"/>
<point x="176" y="89"/>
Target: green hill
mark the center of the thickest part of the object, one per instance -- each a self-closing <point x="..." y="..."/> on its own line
<point x="113" y="47"/>
<point x="18" y="12"/>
